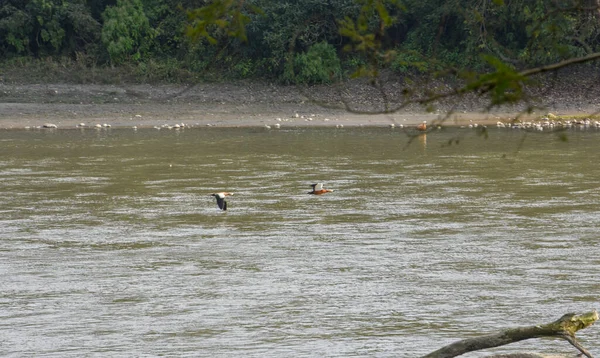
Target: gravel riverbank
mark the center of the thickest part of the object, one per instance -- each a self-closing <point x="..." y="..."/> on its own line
<point x="255" y="104"/>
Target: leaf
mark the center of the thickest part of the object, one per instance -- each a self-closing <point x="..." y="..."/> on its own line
<point x="224" y="14"/>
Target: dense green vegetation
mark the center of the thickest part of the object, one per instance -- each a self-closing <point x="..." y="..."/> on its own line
<point x="307" y="41"/>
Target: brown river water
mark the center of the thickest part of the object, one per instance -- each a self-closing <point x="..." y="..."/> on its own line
<point x="111" y="245"/>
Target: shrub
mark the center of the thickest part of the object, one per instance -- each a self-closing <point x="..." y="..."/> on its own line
<point x="126" y="31"/>
<point x="320" y="64"/>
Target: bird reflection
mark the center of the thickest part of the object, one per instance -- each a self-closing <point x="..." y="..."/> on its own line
<point x="423" y="140"/>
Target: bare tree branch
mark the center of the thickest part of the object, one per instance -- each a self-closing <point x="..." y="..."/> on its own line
<point x="565" y="328"/>
<point x="556" y="66"/>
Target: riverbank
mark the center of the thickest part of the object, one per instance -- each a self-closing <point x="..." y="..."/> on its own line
<point x="251" y="103"/>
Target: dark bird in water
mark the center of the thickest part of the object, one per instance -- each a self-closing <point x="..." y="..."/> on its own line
<point x="318" y="189"/>
<point x="221" y="202"/>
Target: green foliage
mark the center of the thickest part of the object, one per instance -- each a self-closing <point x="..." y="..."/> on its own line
<point x="225" y="15"/>
<point x="15" y="28"/>
<point x="437" y="32"/>
<point x="547" y="32"/>
<point x="42" y="27"/>
<point x="126" y="32"/>
<point x="300" y="40"/>
<point x="352" y="64"/>
<point x="168" y="21"/>
<point x="504" y="84"/>
<point x="198" y="57"/>
<point x="292" y="26"/>
<point x="366" y="32"/>
<point x="410" y="61"/>
<point x="244" y="68"/>
<point x="319" y="65"/>
<point x="48" y="20"/>
<point x="532" y="32"/>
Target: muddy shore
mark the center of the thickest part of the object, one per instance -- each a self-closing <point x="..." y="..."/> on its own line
<point x="247" y="104"/>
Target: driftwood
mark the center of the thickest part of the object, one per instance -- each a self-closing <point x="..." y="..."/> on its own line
<point x="565" y="328"/>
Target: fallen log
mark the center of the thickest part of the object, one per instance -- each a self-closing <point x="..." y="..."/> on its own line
<point x="564" y="327"/>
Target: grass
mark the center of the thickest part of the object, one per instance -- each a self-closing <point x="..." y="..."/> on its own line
<point x="25" y="70"/>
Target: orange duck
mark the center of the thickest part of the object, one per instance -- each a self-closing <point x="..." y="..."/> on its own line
<point x="318" y="189"/>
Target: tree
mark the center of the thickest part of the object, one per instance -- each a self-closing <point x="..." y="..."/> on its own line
<point x="46" y="27"/>
<point x="126" y="31"/>
<point x="16" y="27"/>
<point x="167" y="18"/>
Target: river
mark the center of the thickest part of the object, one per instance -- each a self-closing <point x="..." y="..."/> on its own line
<point x="111" y="244"/>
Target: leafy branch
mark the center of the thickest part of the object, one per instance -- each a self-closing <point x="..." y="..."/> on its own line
<point x="226" y="15"/>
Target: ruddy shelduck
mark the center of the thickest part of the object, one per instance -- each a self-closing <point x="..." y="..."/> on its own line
<point x="318" y="189"/>
<point x="221" y="202"/>
<point x="422" y="126"/>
